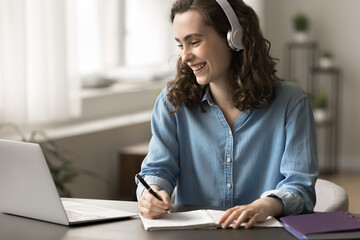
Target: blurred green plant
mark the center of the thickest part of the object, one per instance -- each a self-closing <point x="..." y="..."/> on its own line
<point x="319" y="100"/>
<point x="327" y="54"/>
<point x="60" y="161"/>
<point x="301" y="22"/>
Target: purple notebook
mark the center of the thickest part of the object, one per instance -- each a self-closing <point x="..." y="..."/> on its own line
<point x="321" y="222"/>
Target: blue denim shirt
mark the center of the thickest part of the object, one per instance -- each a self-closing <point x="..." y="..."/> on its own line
<point x="267" y="152"/>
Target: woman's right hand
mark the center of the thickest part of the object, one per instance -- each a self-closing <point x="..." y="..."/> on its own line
<point x="150" y="206"/>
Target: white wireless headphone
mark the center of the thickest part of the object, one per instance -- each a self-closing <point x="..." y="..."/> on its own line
<point x="234" y="35"/>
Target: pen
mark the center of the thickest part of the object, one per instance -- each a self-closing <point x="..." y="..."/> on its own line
<point x="149" y="188"/>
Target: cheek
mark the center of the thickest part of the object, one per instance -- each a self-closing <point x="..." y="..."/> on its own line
<point x="225" y="53"/>
<point x="222" y="57"/>
<point x="220" y="50"/>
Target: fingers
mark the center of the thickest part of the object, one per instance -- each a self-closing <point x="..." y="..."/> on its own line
<point x="250" y="214"/>
<point x="224" y="220"/>
<point x="246" y="216"/>
<point x="238" y="215"/>
<point x="252" y="221"/>
<point x="165" y="198"/>
<point x="151" y="207"/>
<point x="235" y="216"/>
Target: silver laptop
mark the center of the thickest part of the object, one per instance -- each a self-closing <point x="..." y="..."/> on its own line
<point x="28" y="190"/>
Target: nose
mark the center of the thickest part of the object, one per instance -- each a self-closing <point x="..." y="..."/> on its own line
<point x="186" y="55"/>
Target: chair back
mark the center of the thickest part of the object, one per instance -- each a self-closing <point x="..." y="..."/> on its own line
<point x="330" y="197"/>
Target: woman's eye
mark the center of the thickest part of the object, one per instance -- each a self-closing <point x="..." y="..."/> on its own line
<point x="195" y="43"/>
<point x="180" y="46"/>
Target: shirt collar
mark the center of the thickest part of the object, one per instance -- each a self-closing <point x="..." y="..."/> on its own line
<point x="207" y="97"/>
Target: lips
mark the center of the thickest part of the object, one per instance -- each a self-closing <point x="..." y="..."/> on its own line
<point x="197" y="67"/>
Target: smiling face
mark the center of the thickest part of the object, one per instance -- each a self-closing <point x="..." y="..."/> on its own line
<point x="201" y="48"/>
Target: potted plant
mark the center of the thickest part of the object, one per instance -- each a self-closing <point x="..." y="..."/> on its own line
<point x="326" y="59"/>
<point x="319" y="103"/>
<point x="301" y="26"/>
<point x="60" y="162"/>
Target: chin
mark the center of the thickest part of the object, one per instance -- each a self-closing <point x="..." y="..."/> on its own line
<point x="202" y="81"/>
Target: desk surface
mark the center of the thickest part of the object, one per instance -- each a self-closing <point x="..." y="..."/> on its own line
<point x="13" y="227"/>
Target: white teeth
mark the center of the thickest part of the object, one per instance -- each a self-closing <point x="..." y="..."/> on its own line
<point x="198" y="67"/>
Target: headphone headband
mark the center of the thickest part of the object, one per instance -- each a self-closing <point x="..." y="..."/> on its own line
<point x="234" y="36"/>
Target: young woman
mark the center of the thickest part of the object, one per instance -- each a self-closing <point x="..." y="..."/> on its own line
<point x="226" y="130"/>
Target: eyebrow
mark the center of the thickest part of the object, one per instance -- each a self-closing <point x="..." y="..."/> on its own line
<point x="187" y="37"/>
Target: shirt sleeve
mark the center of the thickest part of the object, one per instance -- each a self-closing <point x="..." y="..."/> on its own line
<point x="159" y="166"/>
<point x="299" y="164"/>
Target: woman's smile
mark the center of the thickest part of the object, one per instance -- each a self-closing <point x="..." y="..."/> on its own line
<point x="197" y="68"/>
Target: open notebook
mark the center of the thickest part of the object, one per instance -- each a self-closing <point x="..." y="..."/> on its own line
<point x="196" y="219"/>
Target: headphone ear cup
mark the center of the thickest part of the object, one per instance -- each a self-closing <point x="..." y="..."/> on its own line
<point x="234" y="36"/>
<point x="228" y="38"/>
<point x="234" y="40"/>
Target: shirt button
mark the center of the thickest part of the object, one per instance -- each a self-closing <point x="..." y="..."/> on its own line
<point x="228" y="160"/>
<point x="229" y="132"/>
<point x="228" y="185"/>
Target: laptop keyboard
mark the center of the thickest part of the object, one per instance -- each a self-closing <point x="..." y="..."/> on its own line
<point x="80" y="212"/>
<point x="74" y="216"/>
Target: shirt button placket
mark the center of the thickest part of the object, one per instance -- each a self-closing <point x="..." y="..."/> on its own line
<point x="229" y="170"/>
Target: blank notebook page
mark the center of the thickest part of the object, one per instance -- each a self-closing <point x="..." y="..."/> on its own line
<point x="180" y="220"/>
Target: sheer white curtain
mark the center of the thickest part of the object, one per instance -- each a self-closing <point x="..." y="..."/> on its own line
<point x="38" y="73"/>
<point x="149" y="34"/>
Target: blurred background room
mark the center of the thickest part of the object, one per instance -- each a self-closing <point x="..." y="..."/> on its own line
<point x="80" y="77"/>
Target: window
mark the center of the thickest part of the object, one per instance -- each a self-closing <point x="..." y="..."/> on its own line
<point x="148" y="38"/>
<point x="46" y="47"/>
<point x="113" y="33"/>
<point x="98" y="25"/>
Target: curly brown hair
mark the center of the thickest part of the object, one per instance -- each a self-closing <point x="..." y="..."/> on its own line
<point x="252" y="69"/>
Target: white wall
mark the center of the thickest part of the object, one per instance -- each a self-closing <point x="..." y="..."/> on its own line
<point x="334" y="25"/>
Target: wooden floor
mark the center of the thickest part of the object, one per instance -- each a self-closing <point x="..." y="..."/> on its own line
<point x="351" y="183"/>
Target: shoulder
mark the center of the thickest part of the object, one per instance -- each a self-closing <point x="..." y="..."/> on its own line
<point x="162" y="101"/>
<point x="163" y="93"/>
<point x="288" y="90"/>
<point x="290" y="93"/>
<point x="289" y="96"/>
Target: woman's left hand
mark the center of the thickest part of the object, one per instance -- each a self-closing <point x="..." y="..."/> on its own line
<point x="257" y="211"/>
